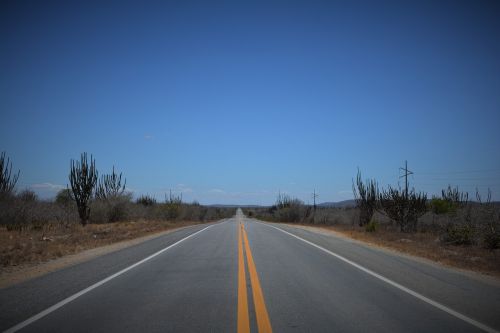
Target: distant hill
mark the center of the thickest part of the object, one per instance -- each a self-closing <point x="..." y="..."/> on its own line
<point x="338" y="204"/>
<point x="234" y="206"/>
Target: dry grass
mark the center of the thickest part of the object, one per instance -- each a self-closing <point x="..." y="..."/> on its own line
<point x="426" y="245"/>
<point x="37" y="246"/>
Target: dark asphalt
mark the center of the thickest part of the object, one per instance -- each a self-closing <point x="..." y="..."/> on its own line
<point x="193" y="287"/>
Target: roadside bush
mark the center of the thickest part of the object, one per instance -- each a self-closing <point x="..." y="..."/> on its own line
<point x="146" y="200"/>
<point x="288" y="209"/>
<point x="451" y="200"/>
<point x="115" y="209"/>
<point x="119" y="211"/>
<point x="371" y="226"/>
<point x="64" y="198"/>
<point x="22" y="215"/>
<point x="171" y="211"/>
<point x="441" y="206"/>
<point x="27" y="196"/>
<point x="488" y="220"/>
<point x="455" y="197"/>
<point x="188" y="212"/>
<point x="173" y="206"/>
<point x="459" y="235"/>
<point x="289" y="214"/>
<point x="491" y="239"/>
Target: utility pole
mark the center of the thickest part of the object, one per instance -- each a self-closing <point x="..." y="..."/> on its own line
<point x="314" y="199"/>
<point x="407" y="173"/>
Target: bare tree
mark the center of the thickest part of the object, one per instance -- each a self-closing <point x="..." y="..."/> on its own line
<point x="83" y="179"/>
<point x="110" y="186"/>
<point x="365" y="195"/>
<point x="7" y="179"/>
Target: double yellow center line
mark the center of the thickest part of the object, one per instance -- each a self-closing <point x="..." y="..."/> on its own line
<point x="263" y="322"/>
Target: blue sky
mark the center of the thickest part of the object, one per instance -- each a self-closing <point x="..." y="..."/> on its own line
<point x="231" y="102"/>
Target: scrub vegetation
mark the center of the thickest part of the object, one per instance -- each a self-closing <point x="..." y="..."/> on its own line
<point x="34" y="229"/>
<point x="93" y="211"/>
<point x="449" y="228"/>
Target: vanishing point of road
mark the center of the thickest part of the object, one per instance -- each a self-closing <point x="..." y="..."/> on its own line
<point x="244" y="275"/>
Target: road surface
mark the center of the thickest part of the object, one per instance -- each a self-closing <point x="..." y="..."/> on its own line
<point x="241" y="275"/>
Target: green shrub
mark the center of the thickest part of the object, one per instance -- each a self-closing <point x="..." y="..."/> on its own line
<point x="64" y="197"/>
<point x="371" y="226"/>
<point x="491" y="239"/>
<point x="442" y="206"/>
<point x="459" y="235"/>
<point x="170" y="211"/>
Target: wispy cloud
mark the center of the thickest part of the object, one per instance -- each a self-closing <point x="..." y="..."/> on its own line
<point x="46" y="190"/>
<point x="217" y="190"/>
<point x="183" y="188"/>
<point x="345" y="194"/>
<point x="148" y="137"/>
<point x="47" y="187"/>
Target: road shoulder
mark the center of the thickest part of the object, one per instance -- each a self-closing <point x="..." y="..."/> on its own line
<point x="21" y="273"/>
<point x="491" y="279"/>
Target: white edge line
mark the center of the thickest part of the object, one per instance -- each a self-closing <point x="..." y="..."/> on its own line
<point x="95" y="285"/>
<point x="395" y="284"/>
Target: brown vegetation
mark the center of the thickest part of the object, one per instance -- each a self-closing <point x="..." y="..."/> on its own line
<point x="37" y="246"/>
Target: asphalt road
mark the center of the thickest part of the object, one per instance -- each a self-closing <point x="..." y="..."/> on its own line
<point x="241" y="275"/>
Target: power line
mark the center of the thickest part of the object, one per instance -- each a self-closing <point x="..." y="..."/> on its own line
<point x="314" y="198"/>
<point x="407" y="173"/>
<point x="459" y="179"/>
<point x="459" y="172"/>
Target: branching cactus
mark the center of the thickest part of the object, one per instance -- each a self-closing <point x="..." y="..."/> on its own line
<point x="7" y="179"/>
<point x="366" y="196"/>
<point x="404" y="209"/>
<point x="110" y="186"/>
<point x="83" y="179"/>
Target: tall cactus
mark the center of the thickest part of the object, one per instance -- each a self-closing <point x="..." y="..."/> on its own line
<point x="366" y="196"/>
<point x="7" y="179"/>
<point x="83" y="178"/>
<point x="110" y="186"/>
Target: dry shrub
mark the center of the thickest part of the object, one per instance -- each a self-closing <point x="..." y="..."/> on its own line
<point x="17" y="214"/>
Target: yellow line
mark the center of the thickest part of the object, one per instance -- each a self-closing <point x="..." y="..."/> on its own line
<point x="243" y="322"/>
<point x="263" y="322"/>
